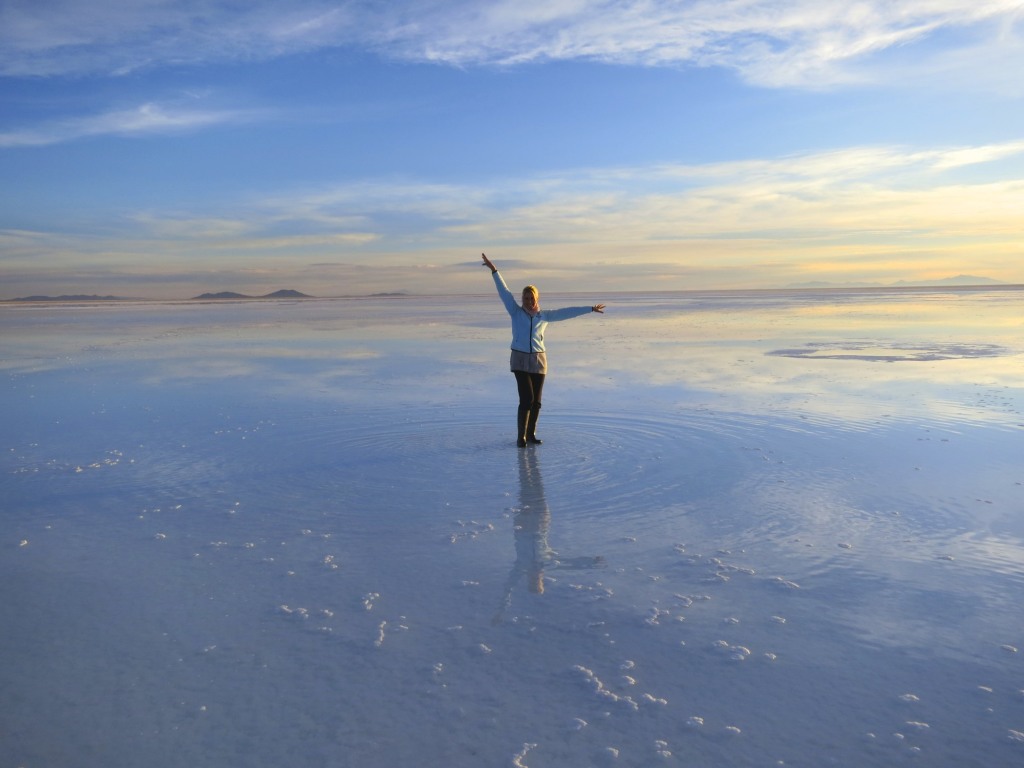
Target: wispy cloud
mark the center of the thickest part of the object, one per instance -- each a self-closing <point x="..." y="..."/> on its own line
<point x="803" y="43"/>
<point x="142" y="120"/>
<point x="771" y="42"/>
<point x="862" y="213"/>
<point x="118" y="36"/>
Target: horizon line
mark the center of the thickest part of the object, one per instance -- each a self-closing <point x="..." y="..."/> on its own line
<point x="234" y="297"/>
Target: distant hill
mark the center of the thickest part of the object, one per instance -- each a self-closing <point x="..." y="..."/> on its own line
<point x="958" y="280"/>
<point x="223" y="295"/>
<point x="282" y="294"/>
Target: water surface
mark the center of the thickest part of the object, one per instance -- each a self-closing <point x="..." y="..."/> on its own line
<point x="768" y="528"/>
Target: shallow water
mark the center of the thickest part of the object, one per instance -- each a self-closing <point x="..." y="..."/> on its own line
<point x="774" y="528"/>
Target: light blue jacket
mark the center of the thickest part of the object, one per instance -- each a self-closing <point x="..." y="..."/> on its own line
<point x="527" y="329"/>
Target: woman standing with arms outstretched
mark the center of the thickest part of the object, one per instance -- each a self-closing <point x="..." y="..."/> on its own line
<point x="529" y="360"/>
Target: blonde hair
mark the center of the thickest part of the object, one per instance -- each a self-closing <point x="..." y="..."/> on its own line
<point x="531" y="289"/>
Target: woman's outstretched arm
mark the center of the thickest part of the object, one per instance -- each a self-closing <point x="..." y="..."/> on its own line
<point x="506" y="295"/>
<point x="501" y="285"/>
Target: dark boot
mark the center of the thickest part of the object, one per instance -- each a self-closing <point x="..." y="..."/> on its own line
<point x="523" y="416"/>
<point x="531" y="425"/>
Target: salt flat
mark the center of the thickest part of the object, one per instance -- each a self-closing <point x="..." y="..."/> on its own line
<point x="772" y="528"/>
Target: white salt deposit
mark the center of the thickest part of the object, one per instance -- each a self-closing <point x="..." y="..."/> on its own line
<point x="300" y="533"/>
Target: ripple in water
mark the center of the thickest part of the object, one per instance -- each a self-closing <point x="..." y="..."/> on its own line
<point x="399" y="465"/>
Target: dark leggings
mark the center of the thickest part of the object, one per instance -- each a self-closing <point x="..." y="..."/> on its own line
<point x="530" y="386"/>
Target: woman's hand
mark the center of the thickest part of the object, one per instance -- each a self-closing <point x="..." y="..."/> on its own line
<point x="488" y="263"/>
<point x="598" y="308"/>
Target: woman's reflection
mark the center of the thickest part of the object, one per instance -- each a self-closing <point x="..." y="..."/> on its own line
<point x="530" y="527"/>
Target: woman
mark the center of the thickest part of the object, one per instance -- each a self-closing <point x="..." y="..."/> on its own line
<point x="529" y="360"/>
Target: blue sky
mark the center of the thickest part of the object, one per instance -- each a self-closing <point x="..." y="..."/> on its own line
<point x="166" y="148"/>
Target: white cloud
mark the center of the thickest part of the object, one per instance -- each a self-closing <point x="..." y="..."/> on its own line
<point x="144" y="119"/>
<point x="874" y="213"/>
<point x="841" y="195"/>
<point x="804" y="43"/>
<point x="118" y="36"/>
<point x="967" y="156"/>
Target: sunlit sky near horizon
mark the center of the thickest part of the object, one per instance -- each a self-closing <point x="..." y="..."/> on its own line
<point x="167" y="148"/>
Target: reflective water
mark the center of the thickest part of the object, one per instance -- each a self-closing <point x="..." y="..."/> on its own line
<point x="779" y="528"/>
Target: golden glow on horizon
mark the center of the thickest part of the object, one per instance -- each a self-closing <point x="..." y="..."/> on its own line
<point x="825" y="216"/>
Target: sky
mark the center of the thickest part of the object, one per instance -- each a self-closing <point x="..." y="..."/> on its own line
<point x="165" y="148"/>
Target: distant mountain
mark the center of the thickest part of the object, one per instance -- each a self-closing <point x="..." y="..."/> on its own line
<point x="282" y="294"/>
<point x="958" y="280"/>
<point x="74" y="297"/>
<point x="223" y="295"/>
